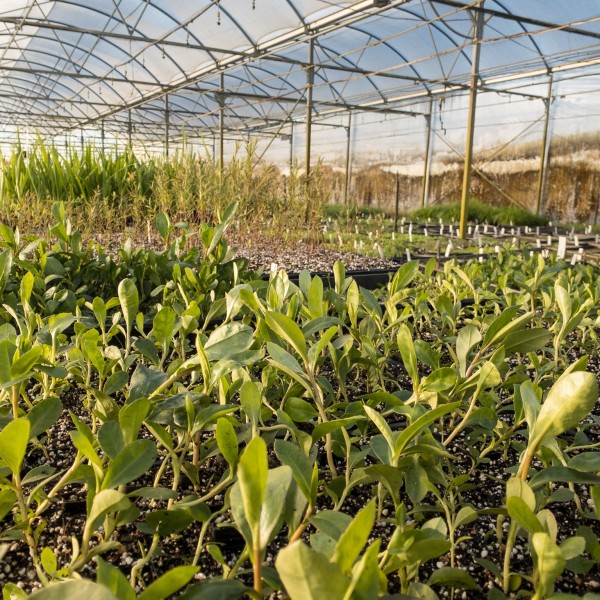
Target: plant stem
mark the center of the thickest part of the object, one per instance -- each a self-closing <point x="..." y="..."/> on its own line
<point x="257" y="570"/>
<point x="15" y="401"/>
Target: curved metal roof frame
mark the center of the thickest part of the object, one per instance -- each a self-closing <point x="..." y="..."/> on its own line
<point x="382" y="55"/>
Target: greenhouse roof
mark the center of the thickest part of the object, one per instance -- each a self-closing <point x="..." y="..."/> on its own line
<point x="68" y="64"/>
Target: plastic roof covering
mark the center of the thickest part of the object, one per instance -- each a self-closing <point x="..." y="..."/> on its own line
<point x="67" y="64"/>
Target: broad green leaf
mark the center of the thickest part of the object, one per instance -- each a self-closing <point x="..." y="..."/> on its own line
<point x="23" y="365"/>
<point x="228" y="339"/>
<point x="308" y="575"/>
<point x="13" y="444"/>
<point x="83" y="444"/>
<point x="352" y="541"/>
<point x="252" y="477"/>
<point x="440" y="380"/>
<point x="468" y="337"/>
<point x="352" y="302"/>
<point x="570" y="400"/>
<point x="516" y="487"/>
<point x="110" y="438"/>
<point x="284" y="358"/>
<point x="531" y="402"/>
<point x="130" y="301"/>
<point x="465" y="515"/>
<point x="43" y="415"/>
<point x="382" y="425"/>
<point x="322" y="429"/>
<point x="289" y="331"/>
<point x="586" y="461"/>
<point x="563" y="475"/>
<point x="8" y="500"/>
<point x="163" y="325"/>
<point x="104" y="502"/>
<point x="421" y="423"/>
<point x="132" y="462"/>
<point x="221" y="228"/>
<point x="165" y="522"/>
<point x="505" y="324"/>
<point x="215" y="589"/>
<point x="564" y="302"/>
<point x="366" y="574"/>
<point x="523" y="515"/>
<point x="550" y="561"/>
<point x="7" y="350"/>
<point x="144" y="382"/>
<point x="291" y="455"/>
<point x="452" y="577"/>
<point x="49" y="561"/>
<point x="111" y="577"/>
<point x="315" y="297"/>
<point x="300" y="410"/>
<point x="26" y="287"/>
<point x="272" y="510"/>
<point x="528" y="340"/>
<point x="163" y="224"/>
<point x="316" y="349"/>
<point x="227" y="441"/>
<point x="251" y="401"/>
<point x="116" y="382"/>
<point x="169" y="583"/>
<point x="408" y="354"/>
<point x="131" y="417"/>
<point x="573" y="547"/>
<point x="75" y="590"/>
<point x="404" y="275"/>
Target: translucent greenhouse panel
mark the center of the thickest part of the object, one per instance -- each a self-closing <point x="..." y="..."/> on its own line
<point x="573" y="178"/>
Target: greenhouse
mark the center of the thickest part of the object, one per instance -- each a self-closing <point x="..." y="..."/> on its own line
<point x="299" y="299"/>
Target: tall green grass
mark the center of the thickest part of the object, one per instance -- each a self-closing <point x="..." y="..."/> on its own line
<point x="109" y="189"/>
<point x="480" y="213"/>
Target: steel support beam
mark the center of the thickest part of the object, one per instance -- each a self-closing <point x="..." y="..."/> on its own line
<point x="129" y="128"/>
<point x="466" y="186"/>
<point x="310" y="80"/>
<point x="544" y="154"/>
<point x="102" y="135"/>
<point x="221" y="100"/>
<point x="427" y="164"/>
<point x="291" y="146"/>
<point x="347" y="173"/>
<point x="166" y="125"/>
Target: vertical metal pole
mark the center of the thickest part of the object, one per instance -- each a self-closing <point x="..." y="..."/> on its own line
<point x="221" y="124"/>
<point x="427" y="167"/>
<point x="81" y="139"/>
<point x="102" y="135"/>
<point x="166" y="125"/>
<point x="348" y="146"/>
<point x="544" y="150"/>
<point x="466" y="187"/>
<point x="310" y="79"/>
<point x="397" y="202"/>
<point x="291" y="146"/>
<point x="129" y="127"/>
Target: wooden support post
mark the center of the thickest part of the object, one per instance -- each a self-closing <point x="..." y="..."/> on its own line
<point x="466" y="187"/>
